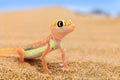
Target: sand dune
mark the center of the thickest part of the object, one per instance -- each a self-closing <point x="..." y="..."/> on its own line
<point x="93" y="48"/>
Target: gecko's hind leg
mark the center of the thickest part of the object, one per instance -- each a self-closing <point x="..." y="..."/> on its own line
<point x="20" y="52"/>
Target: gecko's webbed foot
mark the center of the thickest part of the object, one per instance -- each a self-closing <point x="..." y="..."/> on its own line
<point x="64" y="67"/>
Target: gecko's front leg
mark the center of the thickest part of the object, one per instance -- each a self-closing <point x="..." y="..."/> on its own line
<point x="64" y="63"/>
<point x="44" y="63"/>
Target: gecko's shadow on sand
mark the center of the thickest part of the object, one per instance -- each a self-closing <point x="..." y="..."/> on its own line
<point x="37" y="63"/>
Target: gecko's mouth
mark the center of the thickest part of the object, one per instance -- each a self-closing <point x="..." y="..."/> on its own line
<point x="71" y="27"/>
<point x="67" y="29"/>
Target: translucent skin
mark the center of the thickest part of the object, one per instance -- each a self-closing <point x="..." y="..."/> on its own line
<point x="57" y="33"/>
<point x="59" y="30"/>
<point x="37" y="52"/>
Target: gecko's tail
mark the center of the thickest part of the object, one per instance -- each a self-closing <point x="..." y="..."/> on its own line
<point x="8" y="52"/>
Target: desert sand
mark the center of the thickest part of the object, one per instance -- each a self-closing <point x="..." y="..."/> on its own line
<point x="92" y="50"/>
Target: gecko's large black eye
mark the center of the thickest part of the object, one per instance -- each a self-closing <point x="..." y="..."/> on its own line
<point x="60" y="24"/>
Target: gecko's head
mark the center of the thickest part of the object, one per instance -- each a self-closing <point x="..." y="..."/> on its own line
<point x="61" y="28"/>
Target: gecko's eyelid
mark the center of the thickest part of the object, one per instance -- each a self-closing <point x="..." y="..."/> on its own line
<point x="70" y="21"/>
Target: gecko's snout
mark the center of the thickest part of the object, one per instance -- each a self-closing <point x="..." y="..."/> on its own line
<point x="73" y="25"/>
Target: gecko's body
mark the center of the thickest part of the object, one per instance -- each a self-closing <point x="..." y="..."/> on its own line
<point x="40" y="49"/>
<point x="31" y="52"/>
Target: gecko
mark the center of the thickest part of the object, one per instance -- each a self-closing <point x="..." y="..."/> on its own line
<point x="58" y="30"/>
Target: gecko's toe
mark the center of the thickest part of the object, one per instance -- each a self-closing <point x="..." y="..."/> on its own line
<point x="61" y="64"/>
<point x="25" y="64"/>
<point x="48" y="72"/>
<point x="64" y="69"/>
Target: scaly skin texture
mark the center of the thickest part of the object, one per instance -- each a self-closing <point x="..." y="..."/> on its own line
<point x="58" y="29"/>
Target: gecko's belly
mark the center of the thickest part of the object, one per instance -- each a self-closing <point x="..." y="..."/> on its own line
<point x="31" y="56"/>
<point x="34" y="53"/>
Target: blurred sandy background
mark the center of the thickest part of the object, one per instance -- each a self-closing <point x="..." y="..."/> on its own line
<point x="93" y="49"/>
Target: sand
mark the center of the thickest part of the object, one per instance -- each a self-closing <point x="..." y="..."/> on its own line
<point x="92" y="49"/>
